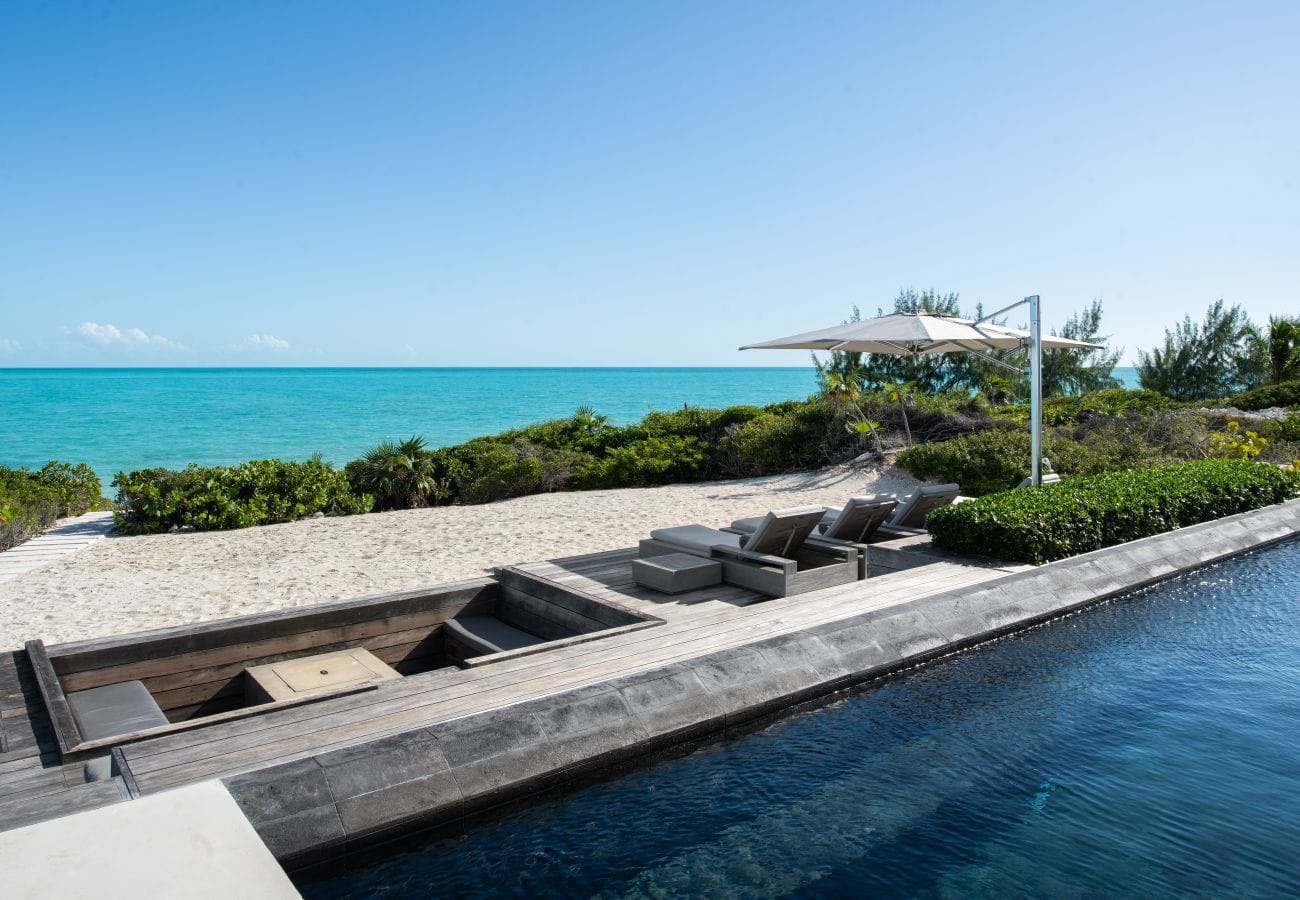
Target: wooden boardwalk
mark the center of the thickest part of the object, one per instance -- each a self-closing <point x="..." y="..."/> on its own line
<point x="696" y="623"/>
<point x="67" y="537"/>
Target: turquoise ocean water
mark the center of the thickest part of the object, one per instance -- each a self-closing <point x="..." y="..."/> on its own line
<point x="123" y="419"/>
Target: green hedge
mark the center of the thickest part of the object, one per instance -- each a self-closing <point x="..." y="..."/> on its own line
<point x="1083" y="514"/>
<point x="1266" y="396"/>
<point x="259" y="492"/>
<point x="32" y="501"/>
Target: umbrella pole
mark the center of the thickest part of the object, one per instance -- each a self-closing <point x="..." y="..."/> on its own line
<point x="1035" y="392"/>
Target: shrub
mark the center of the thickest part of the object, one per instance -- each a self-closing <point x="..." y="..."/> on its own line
<point x="1084" y="514"/>
<point x="77" y="487"/>
<point x="1083" y="408"/>
<point x="486" y="470"/>
<point x="1287" y="393"/>
<point x="656" y="460"/>
<point x="259" y="492"/>
<point x="789" y="436"/>
<point x="32" y="501"/>
<point x="994" y="460"/>
<point x="1233" y="443"/>
<point x="1287" y="429"/>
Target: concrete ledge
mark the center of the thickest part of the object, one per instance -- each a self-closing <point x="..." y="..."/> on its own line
<point x="440" y="773"/>
<point x="191" y="842"/>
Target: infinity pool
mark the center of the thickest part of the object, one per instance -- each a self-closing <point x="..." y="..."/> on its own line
<point x="1149" y="747"/>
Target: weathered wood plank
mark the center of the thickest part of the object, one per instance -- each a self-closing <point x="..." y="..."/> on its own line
<point x="56" y="704"/>
<point x="119" y="650"/>
<point x="391" y="715"/>
<point x="566" y="661"/>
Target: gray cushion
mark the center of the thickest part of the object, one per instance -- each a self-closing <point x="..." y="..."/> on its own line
<point x="114" y="709"/>
<point x="488" y="634"/>
<point x="859" y="518"/>
<point x="695" y="538"/>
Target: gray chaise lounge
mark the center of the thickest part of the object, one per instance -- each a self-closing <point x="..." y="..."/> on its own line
<point x="853" y="525"/>
<point x="909" y="518"/>
<point x="777" y="558"/>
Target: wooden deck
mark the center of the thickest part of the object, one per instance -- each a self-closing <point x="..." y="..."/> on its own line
<point x="67" y="537"/>
<point x="695" y="623"/>
<point x="699" y="622"/>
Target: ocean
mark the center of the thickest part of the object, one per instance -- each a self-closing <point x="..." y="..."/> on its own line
<point x="124" y="419"/>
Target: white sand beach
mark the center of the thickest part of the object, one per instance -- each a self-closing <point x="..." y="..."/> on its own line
<point x="125" y="584"/>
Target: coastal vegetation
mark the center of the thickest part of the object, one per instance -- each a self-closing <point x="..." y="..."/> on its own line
<point x="948" y="417"/>
<point x="1087" y="513"/>
<point x="259" y="492"/>
<point x="31" y="501"/>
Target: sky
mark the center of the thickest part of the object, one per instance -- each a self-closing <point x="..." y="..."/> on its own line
<point x="653" y="183"/>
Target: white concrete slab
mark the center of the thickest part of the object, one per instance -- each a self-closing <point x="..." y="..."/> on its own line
<point x="192" y="842"/>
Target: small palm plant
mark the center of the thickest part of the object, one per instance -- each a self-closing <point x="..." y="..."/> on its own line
<point x="400" y="475"/>
<point x="844" y="388"/>
<point x="898" y="393"/>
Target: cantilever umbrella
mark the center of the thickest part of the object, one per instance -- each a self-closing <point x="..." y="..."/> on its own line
<point x="916" y="334"/>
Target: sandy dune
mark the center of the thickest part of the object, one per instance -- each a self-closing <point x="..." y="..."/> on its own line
<point x="126" y="584"/>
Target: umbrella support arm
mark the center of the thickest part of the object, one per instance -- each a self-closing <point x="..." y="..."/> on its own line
<point x="989" y="357"/>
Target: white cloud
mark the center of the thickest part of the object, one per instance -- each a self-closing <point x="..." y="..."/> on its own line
<point x="9" y="345"/>
<point x="260" y="342"/>
<point x="109" y="335"/>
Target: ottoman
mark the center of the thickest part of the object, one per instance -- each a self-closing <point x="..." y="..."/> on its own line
<point x="674" y="573"/>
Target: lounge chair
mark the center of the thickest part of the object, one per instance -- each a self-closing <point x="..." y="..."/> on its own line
<point x="909" y="517"/>
<point x="776" y="558"/>
<point x="853" y="525"/>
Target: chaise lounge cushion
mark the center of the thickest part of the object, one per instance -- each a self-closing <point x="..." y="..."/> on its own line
<point x="696" y="538"/>
<point x="114" y="709"/>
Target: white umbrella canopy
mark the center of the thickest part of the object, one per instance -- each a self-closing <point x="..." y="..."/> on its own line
<point x="914" y="334"/>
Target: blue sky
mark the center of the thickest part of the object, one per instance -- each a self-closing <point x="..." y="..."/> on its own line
<point x="625" y="183"/>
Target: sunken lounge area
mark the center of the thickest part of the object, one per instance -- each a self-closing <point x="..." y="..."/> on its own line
<point x="103" y="693"/>
<point x="398" y="696"/>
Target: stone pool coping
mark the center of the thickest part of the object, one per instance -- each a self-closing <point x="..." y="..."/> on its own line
<point x="318" y="807"/>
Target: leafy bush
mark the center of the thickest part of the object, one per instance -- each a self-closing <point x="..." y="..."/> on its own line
<point x="486" y="470"/>
<point x="1287" y="393"/>
<point x="665" y="459"/>
<point x="259" y="492"/>
<point x="1287" y="429"/>
<point x="789" y="436"/>
<point x="1084" y="514"/>
<point x="1085" y="407"/>
<point x="994" y="460"/>
<point x="32" y="501"/>
<point x="1233" y="443"/>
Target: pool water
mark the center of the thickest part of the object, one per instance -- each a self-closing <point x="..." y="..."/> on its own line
<point x="1148" y="747"/>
